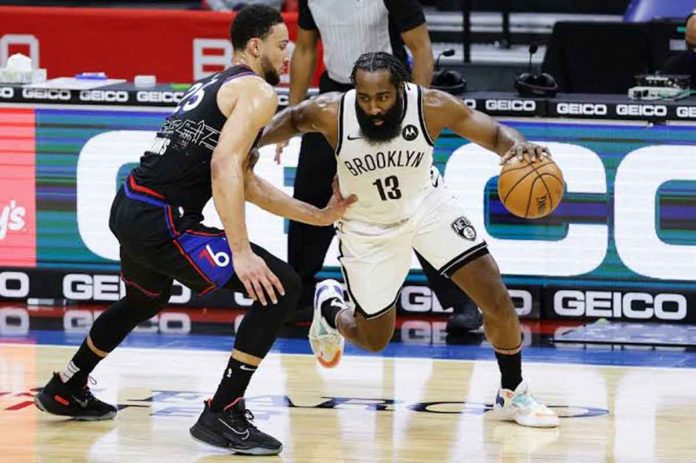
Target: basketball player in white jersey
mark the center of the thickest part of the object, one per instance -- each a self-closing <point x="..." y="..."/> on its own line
<point x="383" y="132"/>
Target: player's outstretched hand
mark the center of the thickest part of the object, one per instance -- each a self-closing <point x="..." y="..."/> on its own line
<point x="279" y="147"/>
<point x="529" y="151"/>
<point x="337" y="205"/>
<point x="257" y="278"/>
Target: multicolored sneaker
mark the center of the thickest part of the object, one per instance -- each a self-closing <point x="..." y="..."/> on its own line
<point x="57" y="398"/>
<point x="520" y="406"/>
<point x="326" y="342"/>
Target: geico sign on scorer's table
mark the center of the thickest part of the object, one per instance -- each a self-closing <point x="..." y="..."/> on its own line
<point x="582" y="249"/>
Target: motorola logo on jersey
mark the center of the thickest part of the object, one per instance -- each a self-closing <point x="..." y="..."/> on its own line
<point x="410" y="132"/>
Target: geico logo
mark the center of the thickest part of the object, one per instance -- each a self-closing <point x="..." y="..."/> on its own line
<point x="45" y="94"/>
<point x="80" y="321"/>
<point x="14" y="321"/>
<point x="607" y="304"/>
<point x="641" y="110"/>
<point x="639" y="177"/>
<point x="14" y="284"/>
<point x="6" y="92"/>
<point x="109" y="96"/>
<point x="584" y="109"/>
<point x="511" y="105"/>
<point x="166" y="323"/>
<point x="423" y="332"/>
<point x="522" y="300"/>
<point x="426" y="332"/>
<point x="83" y="287"/>
<point x="420" y="299"/>
<point x="686" y="112"/>
<point x="80" y="287"/>
<point x="158" y="97"/>
<point x="470" y="102"/>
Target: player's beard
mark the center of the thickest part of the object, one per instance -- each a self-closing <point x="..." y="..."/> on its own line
<point x="390" y="128"/>
<point x="270" y="75"/>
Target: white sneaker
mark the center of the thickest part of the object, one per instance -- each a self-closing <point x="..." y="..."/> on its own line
<point x="520" y="406"/>
<point x="326" y="342"/>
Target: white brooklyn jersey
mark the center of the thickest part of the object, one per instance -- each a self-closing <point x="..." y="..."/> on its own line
<point x="390" y="178"/>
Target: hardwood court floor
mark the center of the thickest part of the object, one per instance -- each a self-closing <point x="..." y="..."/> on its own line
<point x="369" y="409"/>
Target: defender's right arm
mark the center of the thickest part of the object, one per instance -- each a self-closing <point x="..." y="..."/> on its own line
<point x="248" y="103"/>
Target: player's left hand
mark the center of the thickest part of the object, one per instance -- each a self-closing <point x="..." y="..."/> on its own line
<point x="337" y="205"/>
<point x="279" y="147"/>
<point x="529" y="151"/>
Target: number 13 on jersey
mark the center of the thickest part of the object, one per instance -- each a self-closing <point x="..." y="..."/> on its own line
<point x="389" y="188"/>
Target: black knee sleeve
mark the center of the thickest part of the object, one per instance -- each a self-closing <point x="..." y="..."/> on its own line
<point x="112" y="326"/>
<point x="260" y="326"/>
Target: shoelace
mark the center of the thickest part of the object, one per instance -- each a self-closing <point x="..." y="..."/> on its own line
<point x="246" y="417"/>
<point x="86" y="393"/>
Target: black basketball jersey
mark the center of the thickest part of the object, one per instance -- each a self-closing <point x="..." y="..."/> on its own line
<point x="177" y="165"/>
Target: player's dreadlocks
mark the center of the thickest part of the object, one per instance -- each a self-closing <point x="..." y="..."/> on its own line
<point x="375" y="61"/>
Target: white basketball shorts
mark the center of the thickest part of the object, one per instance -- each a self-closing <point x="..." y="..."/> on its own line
<point x="375" y="259"/>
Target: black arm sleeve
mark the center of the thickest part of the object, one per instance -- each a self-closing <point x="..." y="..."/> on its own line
<point x="304" y="18"/>
<point x="405" y="14"/>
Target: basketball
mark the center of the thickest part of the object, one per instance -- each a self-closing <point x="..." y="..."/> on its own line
<point x="531" y="190"/>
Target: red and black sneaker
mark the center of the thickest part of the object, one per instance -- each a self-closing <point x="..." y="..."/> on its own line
<point x="232" y="429"/>
<point x="57" y="398"/>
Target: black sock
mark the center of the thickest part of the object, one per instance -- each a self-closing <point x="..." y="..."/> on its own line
<point x="82" y="364"/>
<point x="233" y="385"/>
<point x="330" y="308"/>
<point x="510" y="369"/>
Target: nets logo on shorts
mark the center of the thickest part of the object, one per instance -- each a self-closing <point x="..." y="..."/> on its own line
<point x="463" y="228"/>
<point x="410" y="132"/>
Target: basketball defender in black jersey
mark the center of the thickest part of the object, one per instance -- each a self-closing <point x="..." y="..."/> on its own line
<point x="205" y="149"/>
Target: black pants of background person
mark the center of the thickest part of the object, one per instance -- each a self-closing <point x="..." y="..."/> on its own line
<point x="308" y="244"/>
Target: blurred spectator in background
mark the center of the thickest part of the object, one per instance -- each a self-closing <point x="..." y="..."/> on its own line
<point x="347" y="29"/>
<point x="235" y="5"/>
<point x="685" y="62"/>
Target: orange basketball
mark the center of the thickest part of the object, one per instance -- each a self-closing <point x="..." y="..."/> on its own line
<point x="531" y="189"/>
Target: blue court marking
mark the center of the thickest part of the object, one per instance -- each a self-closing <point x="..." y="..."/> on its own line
<point x="666" y="358"/>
